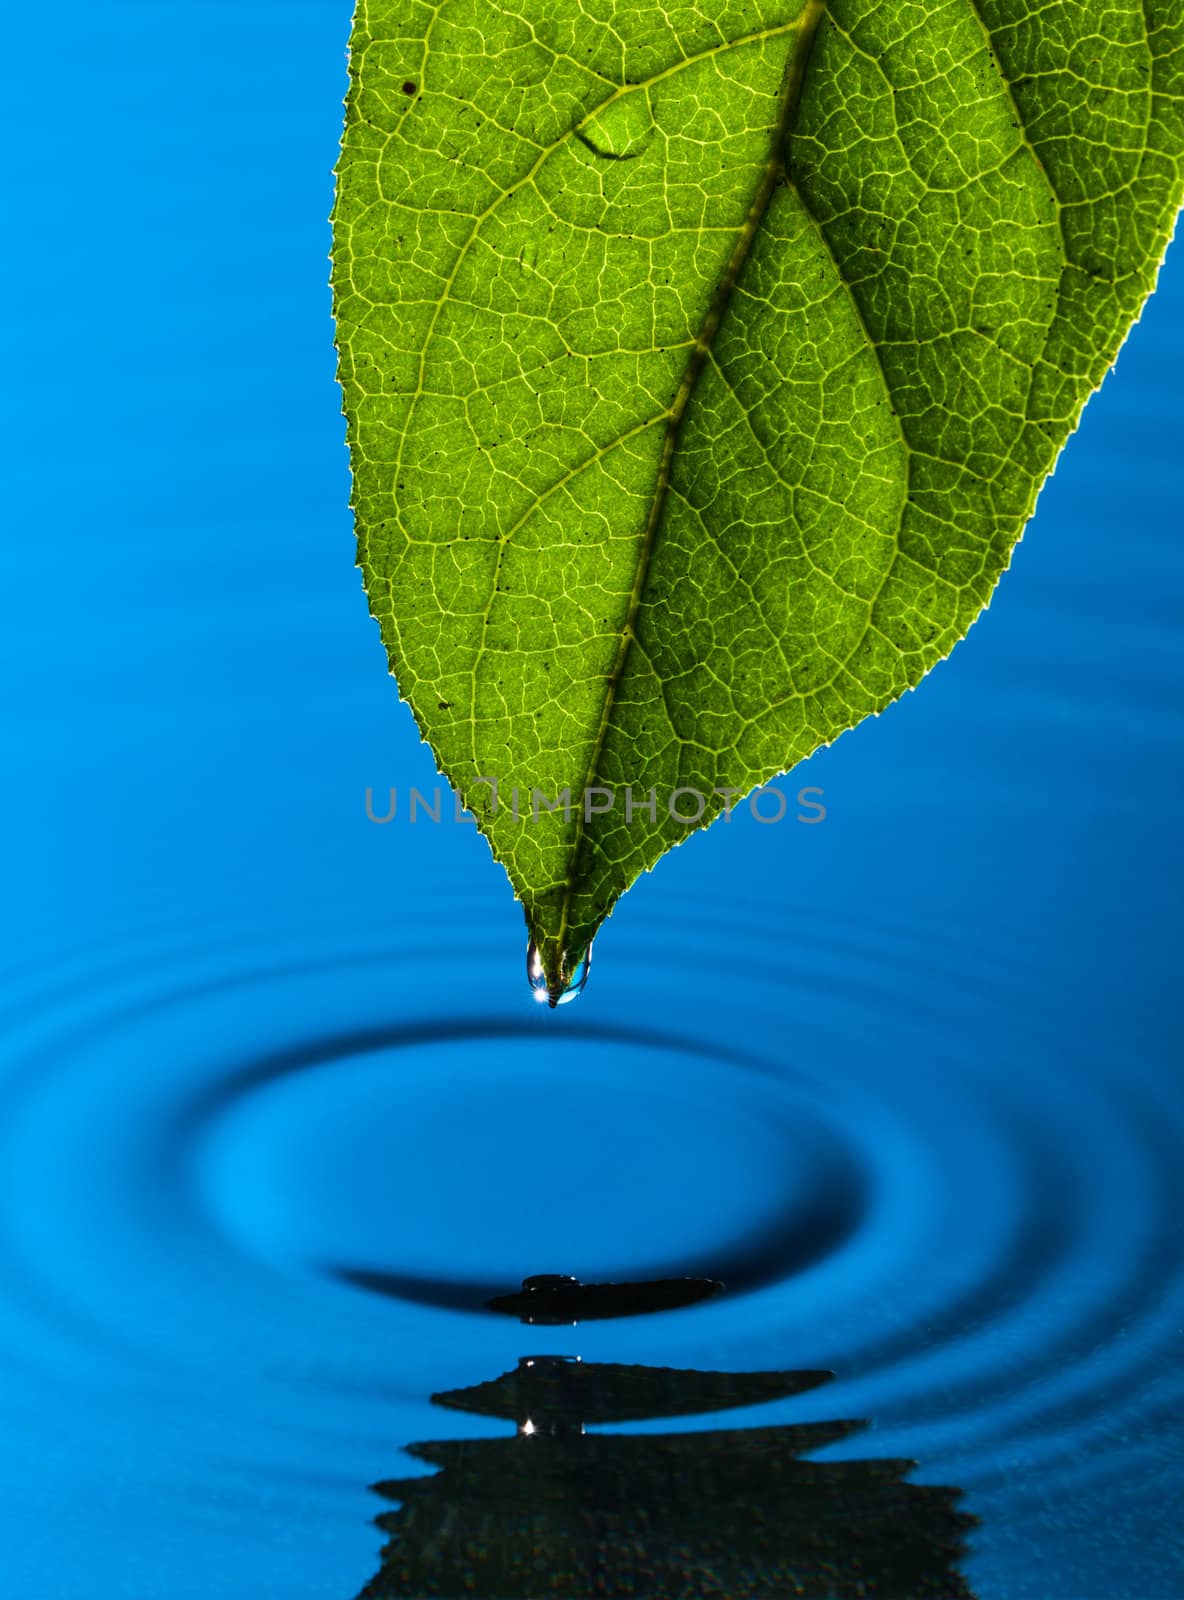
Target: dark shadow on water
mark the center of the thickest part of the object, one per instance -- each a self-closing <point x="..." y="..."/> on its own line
<point x="552" y="1510"/>
<point x="549" y="1299"/>
<point x="552" y="1299"/>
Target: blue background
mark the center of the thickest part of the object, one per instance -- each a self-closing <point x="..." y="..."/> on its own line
<point x="951" y="1007"/>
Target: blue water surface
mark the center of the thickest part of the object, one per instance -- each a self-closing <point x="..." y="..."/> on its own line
<point x="908" y="1077"/>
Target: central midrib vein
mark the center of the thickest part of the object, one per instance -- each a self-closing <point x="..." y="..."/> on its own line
<point x="772" y="172"/>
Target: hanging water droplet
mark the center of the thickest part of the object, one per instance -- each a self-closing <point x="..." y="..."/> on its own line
<point x="537" y="978"/>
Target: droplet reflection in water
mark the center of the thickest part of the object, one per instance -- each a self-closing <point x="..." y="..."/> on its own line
<point x="537" y="978"/>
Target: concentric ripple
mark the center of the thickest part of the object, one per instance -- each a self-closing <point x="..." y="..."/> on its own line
<point x="212" y="1137"/>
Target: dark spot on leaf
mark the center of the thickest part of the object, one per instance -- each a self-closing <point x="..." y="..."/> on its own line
<point x="409" y="87"/>
<point x="605" y="155"/>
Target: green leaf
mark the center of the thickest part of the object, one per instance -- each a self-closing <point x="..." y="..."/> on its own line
<point x="702" y="364"/>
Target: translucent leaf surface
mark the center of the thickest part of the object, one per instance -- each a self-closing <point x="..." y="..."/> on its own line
<point x="702" y="364"/>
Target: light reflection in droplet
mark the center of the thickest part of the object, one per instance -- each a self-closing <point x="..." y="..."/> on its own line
<point x="537" y="977"/>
